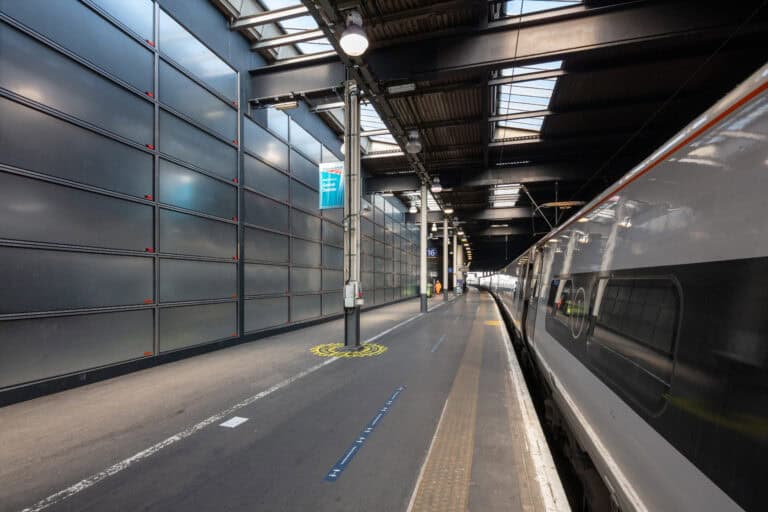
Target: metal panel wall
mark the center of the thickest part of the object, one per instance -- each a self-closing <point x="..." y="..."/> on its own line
<point x="190" y="235"/>
<point x="110" y="165"/>
<point x="33" y="70"/>
<point x="186" y="280"/>
<point x="140" y="210"/>
<point x="186" y="326"/>
<point x="39" y="348"/>
<point x="265" y="313"/>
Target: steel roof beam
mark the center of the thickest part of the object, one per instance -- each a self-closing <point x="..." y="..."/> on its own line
<point x="266" y="17"/>
<point x="584" y="31"/>
<point x="298" y="37"/>
<point x="528" y="174"/>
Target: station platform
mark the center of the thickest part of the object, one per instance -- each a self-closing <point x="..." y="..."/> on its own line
<point x="436" y="419"/>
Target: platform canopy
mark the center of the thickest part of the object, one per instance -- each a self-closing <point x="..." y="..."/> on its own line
<point x="518" y="104"/>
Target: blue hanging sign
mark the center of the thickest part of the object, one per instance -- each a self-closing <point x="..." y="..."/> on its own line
<point x="331" y="185"/>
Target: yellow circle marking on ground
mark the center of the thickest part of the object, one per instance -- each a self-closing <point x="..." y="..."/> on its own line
<point x="335" y="350"/>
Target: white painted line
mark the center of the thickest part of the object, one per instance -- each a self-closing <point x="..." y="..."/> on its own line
<point x="145" y="454"/>
<point x="552" y="492"/>
<point x="437" y="345"/>
<point x="233" y="422"/>
<point x="426" y="458"/>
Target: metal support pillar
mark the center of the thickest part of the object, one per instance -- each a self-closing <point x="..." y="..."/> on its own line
<point x="353" y="292"/>
<point x="423" y="248"/>
<point x="455" y="261"/>
<point x="445" y="258"/>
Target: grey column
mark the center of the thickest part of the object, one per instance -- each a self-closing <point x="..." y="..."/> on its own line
<point x="445" y="258"/>
<point x="455" y="260"/>
<point x="352" y="194"/>
<point x="423" y="248"/>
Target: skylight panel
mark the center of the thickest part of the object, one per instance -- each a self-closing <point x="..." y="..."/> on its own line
<point x="523" y="7"/>
<point x="525" y="96"/>
<point x="296" y="25"/>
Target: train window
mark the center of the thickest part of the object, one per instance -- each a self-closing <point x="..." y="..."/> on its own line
<point x="633" y="338"/>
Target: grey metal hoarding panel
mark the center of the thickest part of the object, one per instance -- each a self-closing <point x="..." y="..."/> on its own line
<point x="304" y="198"/>
<point x="367" y="278"/>
<point x="265" y="279"/>
<point x="366" y="245"/>
<point x="59" y="150"/>
<point x="332" y="233"/>
<point x="264" y="313"/>
<point x="380" y="280"/>
<point x="305" y="225"/>
<point x="333" y="279"/>
<point x="305" y="253"/>
<point x="334" y="214"/>
<point x="305" y="280"/>
<point x="40" y="73"/>
<point x="380" y="296"/>
<point x="265" y="212"/>
<point x="187" y="280"/>
<point x="332" y="303"/>
<point x="186" y="326"/>
<point x="38" y="211"/>
<point x="305" y="142"/>
<point x="378" y="215"/>
<point x="379" y="249"/>
<point x="182" y="94"/>
<point x="379" y="233"/>
<point x="333" y="257"/>
<point x="115" y="52"/>
<point x="192" y="190"/>
<point x="184" y="48"/>
<point x="40" y="348"/>
<point x="366" y="227"/>
<point x="304" y="307"/>
<point x="367" y="263"/>
<point x="137" y="15"/>
<point x="41" y="280"/>
<point x="185" y="142"/>
<point x="265" y="245"/>
<point x="265" y="179"/>
<point x="305" y="170"/>
<point x="181" y="233"/>
<point x="260" y="142"/>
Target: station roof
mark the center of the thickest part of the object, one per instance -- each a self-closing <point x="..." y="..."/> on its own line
<point x="520" y="105"/>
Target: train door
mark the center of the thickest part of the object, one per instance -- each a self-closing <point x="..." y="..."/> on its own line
<point x="532" y="293"/>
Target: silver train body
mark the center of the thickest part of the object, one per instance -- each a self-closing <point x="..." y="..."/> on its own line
<point x="647" y="316"/>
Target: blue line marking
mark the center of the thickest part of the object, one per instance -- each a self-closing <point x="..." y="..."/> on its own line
<point x="345" y="459"/>
<point x="438" y="343"/>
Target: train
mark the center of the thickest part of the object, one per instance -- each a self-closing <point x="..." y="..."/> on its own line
<point x="645" y="318"/>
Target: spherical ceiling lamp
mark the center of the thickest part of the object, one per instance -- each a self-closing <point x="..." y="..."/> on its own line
<point x="354" y="40"/>
<point x="413" y="145"/>
<point x="413" y="209"/>
<point x="436" y="185"/>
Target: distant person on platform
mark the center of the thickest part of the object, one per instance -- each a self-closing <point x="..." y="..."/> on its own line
<point x="438" y="287"/>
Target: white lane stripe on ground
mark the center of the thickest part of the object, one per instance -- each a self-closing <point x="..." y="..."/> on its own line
<point x="551" y="488"/>
<point x="145" y="454"/>
<point x="233" y="422"/>
<point x="437" y="345"/>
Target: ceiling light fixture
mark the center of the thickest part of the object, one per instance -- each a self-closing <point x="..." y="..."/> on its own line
<point x="413" y="209"/>
<point x="436" y="186"/>
<point x="448" y="210"/>
<point x="398" y="89"/>
<point x="413" y="145"/>
<point x="286" y="105"/>
<point x="354" y="40"/>
<point x="387" y="193"/>
<point x="434" y="227"/>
